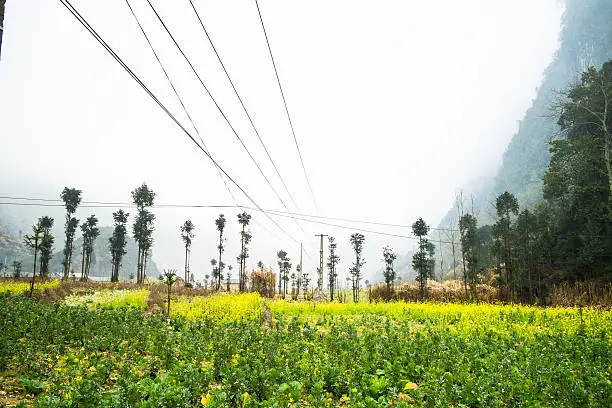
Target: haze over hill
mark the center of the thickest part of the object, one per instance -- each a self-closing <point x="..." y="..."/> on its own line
<point x="390" y="105"/>
<point x="585" y="41"/>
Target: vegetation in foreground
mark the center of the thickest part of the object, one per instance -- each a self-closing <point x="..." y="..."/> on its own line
<point x="394" y="354"/>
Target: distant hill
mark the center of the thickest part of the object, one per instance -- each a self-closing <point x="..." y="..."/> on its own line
<point x="12" y="248"/>
<point x="101" y="261"/>
<point x="585" y="40"/>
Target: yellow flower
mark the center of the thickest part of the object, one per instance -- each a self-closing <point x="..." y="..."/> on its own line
<point x="410" y="386"/>
<point x="205" y="399"/>
<point x="354" y="390"/>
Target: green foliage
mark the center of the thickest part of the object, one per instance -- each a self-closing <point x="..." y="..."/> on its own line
<point x="168" y="278"/>
<point x="117" y="243"/>
<point x="90" y="232"/>
<point x="17" y="269"/>
<point x="421" y="262"/>
<point x="422" y="355"/>
<point x="187" y="237"/>
<point x="71" y="198"/>
<point x="220" y="224"/>
<point x="284" y="266"/>
<point x="389" y="273"/>
<point x="142" y="229"/>
<point x="245" y="237"/>
<point x="332" y="263"/>
<point x="469" y="241"/>
<point x="357" y="241"/>
<point x="46" y="245"/>
<point x="33" y="242"/>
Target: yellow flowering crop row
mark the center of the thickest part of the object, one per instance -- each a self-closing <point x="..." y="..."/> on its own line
<point x="222" y="307"/>
<point x="16" y="287"/>
<point x="111" y="299"/>
<point x="464" y="317"/>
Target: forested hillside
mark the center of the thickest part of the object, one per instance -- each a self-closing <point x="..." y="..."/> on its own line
<point x="585" y="40"/>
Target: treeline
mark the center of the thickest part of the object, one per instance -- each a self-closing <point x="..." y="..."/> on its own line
<point x="567" y="237"/>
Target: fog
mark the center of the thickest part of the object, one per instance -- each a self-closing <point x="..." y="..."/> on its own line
<point x="395" y="105"/>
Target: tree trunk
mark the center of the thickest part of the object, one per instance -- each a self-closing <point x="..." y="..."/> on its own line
<point x="169" y="291"/>
<point x="83" y="263"/>
<point x="34" y="271"/>
<point x="186" y="267"/>
<point x="219" y="267"/>
<point x="138" y="259"/>
<point x="144" y="265"/>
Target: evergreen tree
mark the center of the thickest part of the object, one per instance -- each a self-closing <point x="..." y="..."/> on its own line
<point x="142" y="229"/>
<point x="187" y="236"/>
<point x="420" y="261"/>
<point x="46" y="246"/>
<point x="245" y="237"/>
<point x="284" y="266"/>
<point x="17" y="269"/>
<point x="587" y="113"/>
<point x="468" y="229"/>
<point x="168" y="278"/>
<point x="33" y="242"/>
<point x="220" y="223"/>
<point x="357" y="240"/>
<point x="332" y="263"/>
<point x="215" y="273"/>
<point x="90" y="232"/>
<point x="117" y="243"/>
<point x="229" y="277"/>
<point x="72" y="199"/>
<point x="305" y="283"/>
<point x="389" y="273"/>
<point x="506" y="206"/>
<point x="526" y="264"/>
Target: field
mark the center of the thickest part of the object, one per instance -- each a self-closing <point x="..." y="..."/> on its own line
<point x="108" y="349"/>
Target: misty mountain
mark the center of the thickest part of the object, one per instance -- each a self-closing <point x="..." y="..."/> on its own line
<point x="585" y="40"/>
<point x="12" y="248"/>
<point x="101" y="258"/>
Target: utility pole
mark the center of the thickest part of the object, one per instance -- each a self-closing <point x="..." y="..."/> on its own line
<point x="300" y="271"/>
<point x="320" y="278"/>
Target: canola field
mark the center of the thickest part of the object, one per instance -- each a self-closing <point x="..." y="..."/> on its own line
<point x="216" y="352"/>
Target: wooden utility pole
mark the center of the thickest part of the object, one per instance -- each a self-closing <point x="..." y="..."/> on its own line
<point x="320" y="277"/>
<point x="300" y="271"/>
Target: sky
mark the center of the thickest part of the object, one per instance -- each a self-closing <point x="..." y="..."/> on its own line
<point x="395" y="106"/>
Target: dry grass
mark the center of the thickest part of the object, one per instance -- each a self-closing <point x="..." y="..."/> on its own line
<point x="448" y="291"/>
<point x="159" y="294"/>
<point x="582" y="293"/>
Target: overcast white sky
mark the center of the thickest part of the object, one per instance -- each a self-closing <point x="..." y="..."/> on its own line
<point x="395" y="104"/>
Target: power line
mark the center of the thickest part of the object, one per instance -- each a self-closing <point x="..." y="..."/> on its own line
<point x="93" y="32"/>
<point x="216" y="104"/>
<point x="161" y="65"/>
<point x="273" y="212"/>
<point x="243" y="106"/>
<point x="286" y="108"/>
<point x="100" y="204"/>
